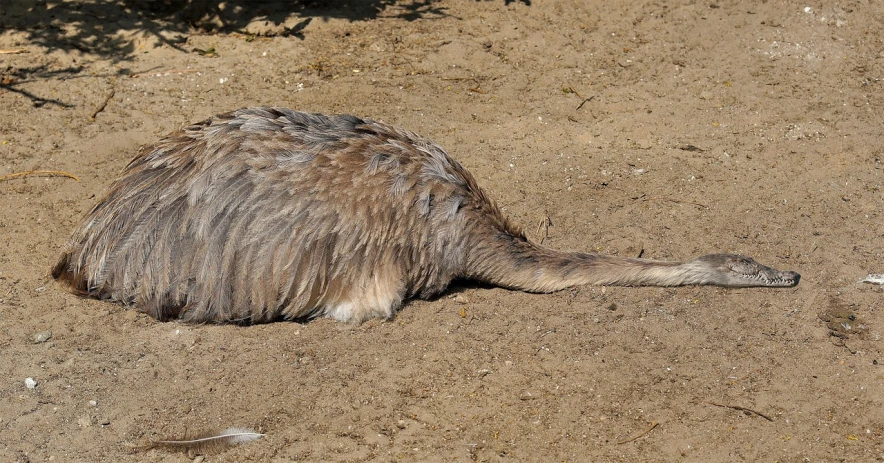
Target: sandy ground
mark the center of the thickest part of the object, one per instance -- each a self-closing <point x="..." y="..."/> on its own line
<point x="670" y="129"/>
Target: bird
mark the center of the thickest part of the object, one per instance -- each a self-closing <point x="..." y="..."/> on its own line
<point x="268" y="213"/>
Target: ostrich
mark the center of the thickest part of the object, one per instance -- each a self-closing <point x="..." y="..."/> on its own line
<point x="267" y="213"/>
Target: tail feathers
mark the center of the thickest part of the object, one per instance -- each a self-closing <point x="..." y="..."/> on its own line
<point x="163" y="309"/>
<point x="61" y="266"/>
<point x="76" y="279"/>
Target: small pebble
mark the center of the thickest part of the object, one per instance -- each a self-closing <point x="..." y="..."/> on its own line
<point x="42" y="336"/>
<point x="30" y="383"/>
<point x="93" y="403"/>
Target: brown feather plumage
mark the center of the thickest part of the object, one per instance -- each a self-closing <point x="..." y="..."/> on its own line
<point x="269" y="213"/>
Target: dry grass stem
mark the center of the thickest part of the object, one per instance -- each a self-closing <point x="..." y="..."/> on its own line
<point x="650" y="428"/>
<point x="29" y="173"/>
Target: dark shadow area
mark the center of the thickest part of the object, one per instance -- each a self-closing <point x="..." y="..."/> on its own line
<point x="10" y="77"/>
<point x="37" y="100"/>
<point x="93" y="26"/>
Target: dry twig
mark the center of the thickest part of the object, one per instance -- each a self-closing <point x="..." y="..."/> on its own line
<point x="103" y="103"/>
<point x="653" y="425"/>
<point x="585" y="100"/>
<point x="51" y="173"/>
<point x="745" y="410"/>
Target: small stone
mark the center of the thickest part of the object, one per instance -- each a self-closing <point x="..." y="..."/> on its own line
<point x="460" y="299"/>
<point x="93" y="403"/>
<point x="30" y="383"/>
<point x="527" y="396"/>
<point x="42" y="336"/>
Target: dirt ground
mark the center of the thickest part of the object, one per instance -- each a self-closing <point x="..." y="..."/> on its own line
<point x="667" y="129"/>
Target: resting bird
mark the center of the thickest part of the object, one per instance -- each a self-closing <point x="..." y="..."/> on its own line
<point x="267" y="213"/>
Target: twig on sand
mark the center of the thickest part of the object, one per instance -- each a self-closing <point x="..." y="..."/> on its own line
<point x="585" y="100"/>
<point x="103" y="103"/>
<point x="51" y="173"/>
<point x="163" y="73"/>
<point x="13" y="52"/>
<point x="653" y="425"/>
<point x="745" y="410"/>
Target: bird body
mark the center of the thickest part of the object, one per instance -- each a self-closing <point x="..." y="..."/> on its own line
<point x="267" y="213"/>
